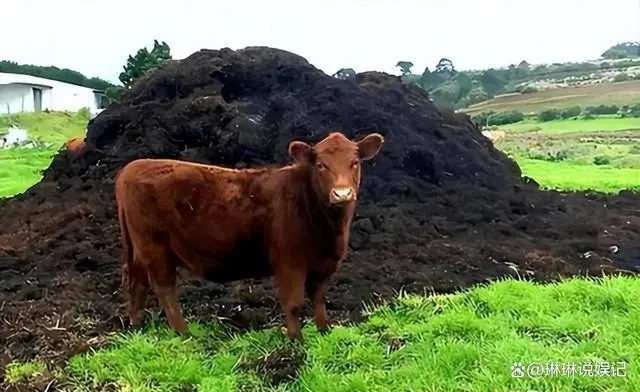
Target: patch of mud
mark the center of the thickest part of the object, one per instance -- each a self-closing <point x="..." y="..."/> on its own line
<point x="279" y="366"/>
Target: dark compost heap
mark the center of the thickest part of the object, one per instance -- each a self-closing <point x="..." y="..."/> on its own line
<point x="440" y="206"/>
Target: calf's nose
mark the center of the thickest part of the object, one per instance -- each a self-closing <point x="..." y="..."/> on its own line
<point x="339" y="195"/>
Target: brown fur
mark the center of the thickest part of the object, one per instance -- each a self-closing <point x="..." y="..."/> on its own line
<point x="227" y="224"/>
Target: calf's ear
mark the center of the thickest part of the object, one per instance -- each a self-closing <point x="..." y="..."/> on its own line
<point x="299" y="151"/>
<point x="370" y="146"/>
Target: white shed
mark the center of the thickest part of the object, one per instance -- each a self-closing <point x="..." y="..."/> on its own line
<point x="25" y="93"/>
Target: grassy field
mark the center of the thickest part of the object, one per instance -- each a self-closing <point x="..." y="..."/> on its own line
<point x="601" y="154"/>
<point x="601" y="123"/>
<point x="497" y="337"/>
<point x="21" y="168"/>
<point x="577" y="177"/>
<point x="52" y="127"/>
<point x="606" y="93"/>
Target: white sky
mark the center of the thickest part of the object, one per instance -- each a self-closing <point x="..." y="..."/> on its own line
<point x="95" y="37"/>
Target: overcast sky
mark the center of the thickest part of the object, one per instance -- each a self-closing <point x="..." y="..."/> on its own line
<point x="95" y="37"/>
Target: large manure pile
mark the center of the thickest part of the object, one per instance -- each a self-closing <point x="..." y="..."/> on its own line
<point x="440" y="208"/>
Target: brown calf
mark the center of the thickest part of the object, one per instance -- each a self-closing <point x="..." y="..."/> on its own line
<point x="224" y="224"/>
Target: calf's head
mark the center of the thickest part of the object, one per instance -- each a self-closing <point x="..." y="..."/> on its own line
<point x="334" y="164"/>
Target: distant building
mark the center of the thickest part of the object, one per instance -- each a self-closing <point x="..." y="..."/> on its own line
<point x="25" y="93"/>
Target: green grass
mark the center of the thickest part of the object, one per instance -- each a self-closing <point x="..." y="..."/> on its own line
<point x="21" y="168"/>
<point x="562" y="154"/>
<point x="577" y="177"/>
<point x="20" y="372"/>
<point x="614" y="156"/>
<point x="601" y="123"/>
<point x="463" y="342"/>
<point x="52" y="127"/>
<point x="623" y="93"/>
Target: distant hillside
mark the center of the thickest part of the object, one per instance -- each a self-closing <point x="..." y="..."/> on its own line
<point x="444" y="83"/>
<point x="54" y="73"/>
<point x="623" y="50"/>
<point x="461" y="89"/>
<point x="619" y="94"/>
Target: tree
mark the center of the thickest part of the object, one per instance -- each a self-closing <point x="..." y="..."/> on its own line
<point x="623" y="50"/>
<point x="445" y="66"/>
<point x="138" y="65"/>
<point x="447" y="94"/>
<point x="492" y="82"/>
<point x="430" y="80"/>
<point x="143" y="62"/>
<point x="113" y="93"/>
<point x="477" y="94"/>
<point x="621" y="77"/>
<point x="54" y="73"/>
<point x="405" y="66"/>
<point x="465" y="83"/>
<point x="411" y="79"/>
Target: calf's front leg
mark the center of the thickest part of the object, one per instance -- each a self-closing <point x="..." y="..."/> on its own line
<point x="290" y="282"/>
<point x="316" y="287"/>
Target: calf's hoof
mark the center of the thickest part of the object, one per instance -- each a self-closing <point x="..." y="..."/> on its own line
<point x="293" y="336"/>
<point x="324" y="330"/>
<point x="298" y="339"/>
<point x="181" y="329"/>
<point x="134" y="323"/>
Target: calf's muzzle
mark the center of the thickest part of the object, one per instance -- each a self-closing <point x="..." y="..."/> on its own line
<point x="342" y="195"/>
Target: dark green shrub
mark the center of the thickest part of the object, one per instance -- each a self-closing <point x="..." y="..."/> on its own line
<point x="573" y="111"/>
<point x="501" y="118"/>
<point x="549" y="115"/>
<point x="601" y="109"/>
<point x="601" y="160"/>
<point x="621" y="77"/>
<point x="559" y="155"/>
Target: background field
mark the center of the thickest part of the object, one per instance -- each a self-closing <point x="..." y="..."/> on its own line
<point x="577" y="177"/>
<point x="21" y="168"/>
<point x="601" y="123"/>
<point x="49" y="127"/>
<point x="466" y="341"/>
<point x="621" y="93"/>
<point x="577" y="154"/>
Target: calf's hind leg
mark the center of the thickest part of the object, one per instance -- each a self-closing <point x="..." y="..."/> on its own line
<point x="137" y="280"/>
<point x="162" y="276"/>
